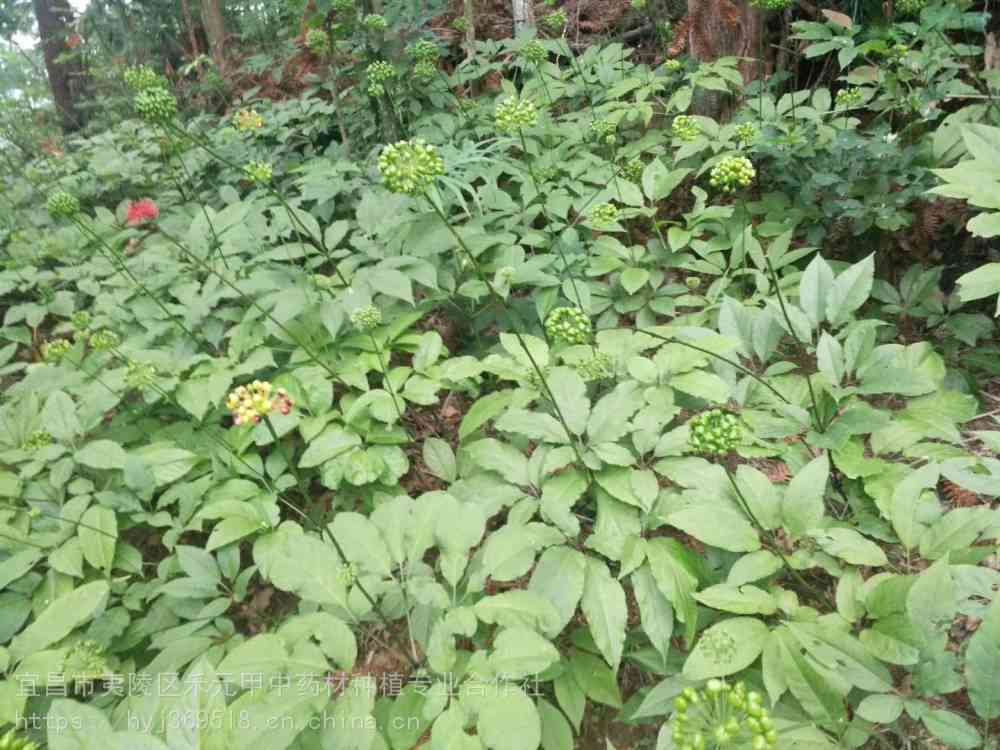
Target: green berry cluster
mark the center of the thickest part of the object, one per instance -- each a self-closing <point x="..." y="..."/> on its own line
<point x="247" y="120"/>
<point x="746" y="133"/>
<point x="344" y="7"/>
<point x="514" y="114"/>
<point x="534" y="52"/>
<point x="81" y="320"/>
<point x="143" y="77"/>
<point x="140" y="374"/>
<point x="61" y="204"/>
<point x="672" y="65"/>
<point x="410" y="167"/>
<point x="36" y="440"/>
<point x="379" y="73"/>
<point x="685" y="128"/>
<point x="425" y="50"/>
<point x="86" y="661"/>
<point x="53" y="351"/>
<point x="732" y="173"/>
<point x="568" y="325"/>
<point x="770" y="4"/>
<point x="104" y="340"/>
<point x="375" y="22"/>
<point x="633" y="170"/>
<point x="849" y="98"/>
<point x="721" y="715"/>
<point x="910" y="7"/>
<point x="424" y="70"/>
<point x="603" y="130"/>
<point x="598" y="367"/>
<point x="898" y="52"/>
<point x="317" y="41"/>
<point x="715" y="432"/>
<point x="604" y="214"/>
<point x="366" y="318"/>
<point x="556" y="20"/>
<point x="259" y="172"/>
<point x="155" y="105"/>
<point x="13" y="741"/>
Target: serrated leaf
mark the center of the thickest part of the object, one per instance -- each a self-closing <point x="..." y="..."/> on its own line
<point x="603" y="604"/>
<point x="726" y="648"/>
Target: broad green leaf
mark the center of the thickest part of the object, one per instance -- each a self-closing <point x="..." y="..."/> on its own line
<point x="556" y="731"/>
<point x="559" y="495"/>
<point x="521" y="652"/>
<point x="849" y="545"/>
<point x="60" y="618"/>
<point x="603" y="604"/>
<point x="814" y="290"/>
<point x="559" y="578"/>
<point x="952" y="730"/>
<point x="740" y="600"/>
<point x="334" y="441"/>
<point x="59" y="417"/>
<point x="655" y="611"/>
<point x="803" y="506"/>
<point x="508" y="719"/>
<point x="361" y="541"/>
<point x="726" y="648"/>
<point x="720" y="525"/>
<point x="850" y="290"/>
<point x="982" y="664"/>
<point x="101" y="454"/>
<point x="98" y="532"/>
<point x="881" y="709"/>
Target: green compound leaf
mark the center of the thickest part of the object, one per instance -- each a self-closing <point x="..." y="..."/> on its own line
<point x="726" y="648"/>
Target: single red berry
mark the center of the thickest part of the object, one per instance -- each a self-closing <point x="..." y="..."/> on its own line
<point x="141" y="212"/>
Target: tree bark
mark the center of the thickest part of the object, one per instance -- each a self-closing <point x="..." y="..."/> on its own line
<point x="66" y="77"/>
<point x="723" y="28"/>
<point x="215" y="29"/>
<point x="524" y="15"/>
<point x="192" y="35"/>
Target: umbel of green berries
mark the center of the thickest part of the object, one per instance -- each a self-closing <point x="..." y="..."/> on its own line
<point x="317" y="41"/>
<point x="14" y="741"/>
<point x="604" y="214"/>
<point x="379" y="73"/>
<point x="603" y="130"/>
<point x="719" y="716"/>
<point x="86" y="661"/>
<point x="36" y="441"/>
<point x="424" y="70"/>
<point x="258" y="172"/>
<point x="598" y="367"/>
<point x="366" y="318"/>
<point x="849" y="98"/>
<point x="104" y="340"/>
<point x="140" y="374"/>
<point x="142" y="77"/>
<point x="375" y="22"/>
<point x="568" y="325"/>
<point x="53" y="351"/>
<point x="685" y="128"/>
<point x="672" y="65"/>
<point x="555" y="21"/>
<point x="534" y="52"/>
<point x="770" y="4"/>
<point x="61" y="204"/>
<point x="514" y="114"/>
<point x="910" y="7"/>
<point x="732" y="173"/>
<point x="155" y="105"/>
<point x="425" y="50"/>
<point x="410" y="167"/>
<point x="715" y="432"/>
<point x="746" y="133"/>
<point x="633" y="170"/>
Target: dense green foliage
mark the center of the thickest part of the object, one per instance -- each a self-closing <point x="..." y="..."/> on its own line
<point x="560" y="415"/>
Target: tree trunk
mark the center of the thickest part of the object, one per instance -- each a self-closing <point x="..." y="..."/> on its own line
<point x="192" y="34"/>
<point x="722" y="28"/>
<point x="215" y="29"/>
<point x="524" y="15"/>
<point x="66" y="77"/>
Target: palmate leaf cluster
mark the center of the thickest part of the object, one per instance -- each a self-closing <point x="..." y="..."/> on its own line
<point x="508" y="467"/>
